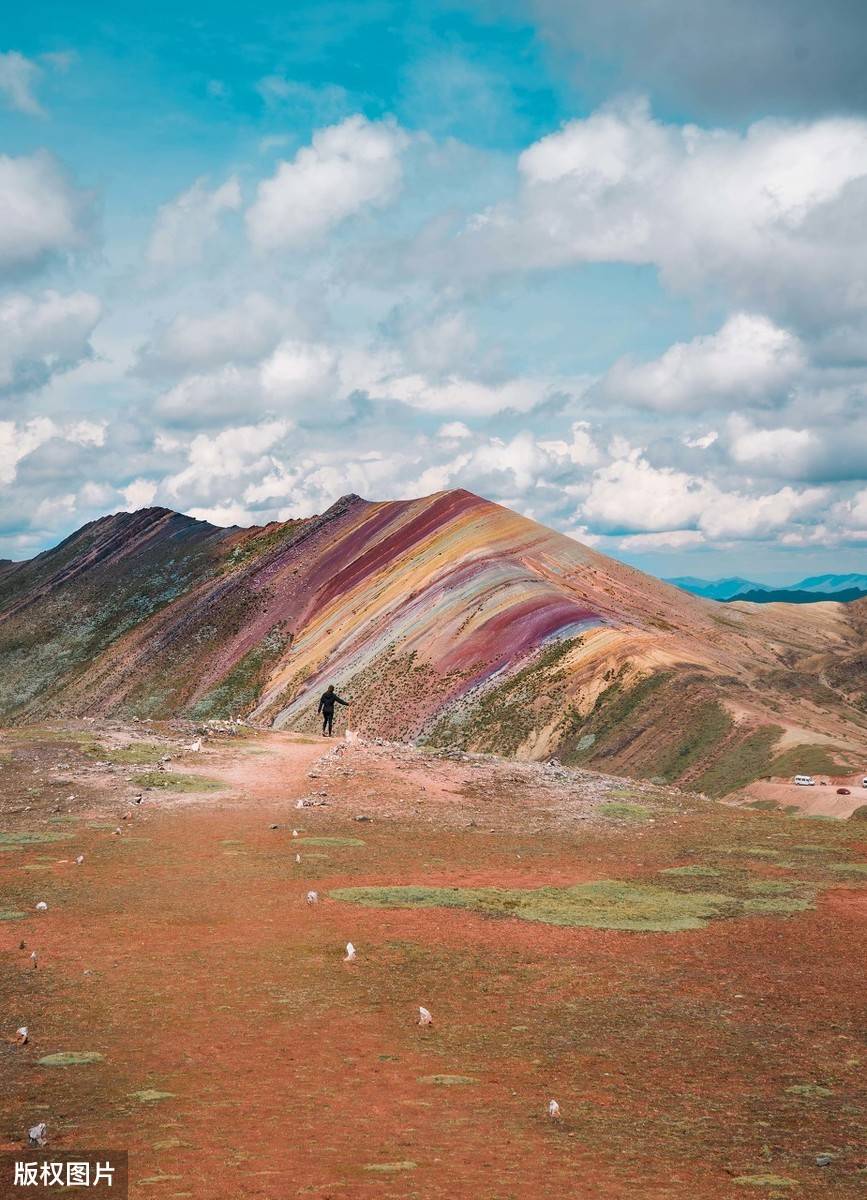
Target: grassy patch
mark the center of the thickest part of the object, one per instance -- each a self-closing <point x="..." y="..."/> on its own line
<point x="710" y="872"/>
<point x="812" y="1091"/>
<point x="32" y="839"/>
<point x="766" y="1181"/>
<point x="170" y="781"/>
<point x="505" y="715"/>
<point x="139" y="754"/>
<point x="448" y="1080"/>
<point x="619" y="810"/>
<point x="764" y="905"/>
<point x="609" y="904"/>
<point x="388" y="1168"/>
<point x="151" y="1096"/>
<point x="850" y="868"/>
<point x="807" y="760"/>
<point x="241" y="687"/>
<point x="9" y="914"/>
<point x="740" y="763"/>
<point x="70" y="1058"/>
<point x="327" y="841"/>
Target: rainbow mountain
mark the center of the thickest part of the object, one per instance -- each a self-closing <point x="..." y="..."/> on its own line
<point x="448" y="620"/>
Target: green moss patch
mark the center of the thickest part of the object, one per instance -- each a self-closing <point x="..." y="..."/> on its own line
<point x="32" y="839"/>
<point x="850" y="868"/>
<point x="766" y="1181"/>
<point x="9" y="914"/>
<point x="170" y="781"/>
<point x="619" y="810"/>
<point x="70" y="1058"/>
<point x="688" y="872"/>
<point x="387" y="1168"/>
<point x="812" y="1091"/>
<point x="609" y="904"/>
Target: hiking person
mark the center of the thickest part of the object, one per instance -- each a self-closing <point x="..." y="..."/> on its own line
<point x="326" y="706"/>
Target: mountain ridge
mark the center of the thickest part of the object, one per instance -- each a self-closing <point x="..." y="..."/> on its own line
<point x="447" y="619"/>
<point x="847" y="587"/>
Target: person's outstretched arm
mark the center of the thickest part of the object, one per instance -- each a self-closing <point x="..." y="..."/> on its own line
<point x="345" y="703"/>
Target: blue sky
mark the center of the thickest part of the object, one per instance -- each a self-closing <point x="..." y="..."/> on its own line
<point x="601" y="262"/>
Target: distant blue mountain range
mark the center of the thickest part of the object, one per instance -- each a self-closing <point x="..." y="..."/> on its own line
<point x="805" y="591"/>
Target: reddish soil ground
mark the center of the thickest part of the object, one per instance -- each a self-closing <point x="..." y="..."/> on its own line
<point x="183" y="951"/>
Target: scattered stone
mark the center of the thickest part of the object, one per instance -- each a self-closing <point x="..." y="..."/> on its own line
<point x="350" y="955"/>
<point x="824" y="1160"/>
<point x="424" y="1017"/>
<point x="21" y="1036"/>
<point x="37" y="1134"/>
<point x="553" y="1110"/>
<point x="312" y="897"/>
<point x="363" y="817"/>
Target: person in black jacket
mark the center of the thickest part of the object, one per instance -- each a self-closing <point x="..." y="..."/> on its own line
<point x="326" y="706"/>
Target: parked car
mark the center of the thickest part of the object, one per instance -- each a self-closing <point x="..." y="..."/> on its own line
<point x="843" y="792"/>
<point x="864" y="781"/>
<point x="805" y="781"/>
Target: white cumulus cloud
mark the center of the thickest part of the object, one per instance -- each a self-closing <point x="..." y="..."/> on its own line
<point x="41" y="336"/>
<point x="42" y="212"/>
<point x="345" y="169"/>
<point x="186" y="224"/>
<point x="748" y="360"/>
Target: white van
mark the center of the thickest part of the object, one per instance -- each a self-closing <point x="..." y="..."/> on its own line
<point x="805" y="781"/>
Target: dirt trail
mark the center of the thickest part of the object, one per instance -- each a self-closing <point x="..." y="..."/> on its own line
<point x="243" y="1058"/>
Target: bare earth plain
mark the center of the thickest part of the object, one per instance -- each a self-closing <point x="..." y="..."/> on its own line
<point x="685" y="978"/>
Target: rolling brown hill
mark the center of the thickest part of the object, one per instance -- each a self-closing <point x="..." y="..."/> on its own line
<point x="448" y="619"/>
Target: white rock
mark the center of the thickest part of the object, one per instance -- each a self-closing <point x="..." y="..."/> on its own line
<point x="298" y="858"/>
<point x="80" y="859"/>
<point x="350" y="955"/>
<point x="424" y="1017"/>
<point x="42" y="906"/>
<point x="553" y="1110"/>
<point x="22" y="1035"/>
<point x="194" y="747"/>
<point x="312" y="897"/>
<point x="295" y="833"/>
<point x="36" y="1134"/>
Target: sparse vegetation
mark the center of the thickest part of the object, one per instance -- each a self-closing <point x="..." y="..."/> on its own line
<point x="171" y="781"/>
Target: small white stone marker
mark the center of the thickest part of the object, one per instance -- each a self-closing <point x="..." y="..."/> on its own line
<point x="312" y="897"/>
<point x="424" y="1017"/>
<point x="350" y="953"/>
<point x="42" y="906"/>
<point x="553" y="1110"/>
<point x="21" y="1036"/>
<point x="80" y="859"/>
